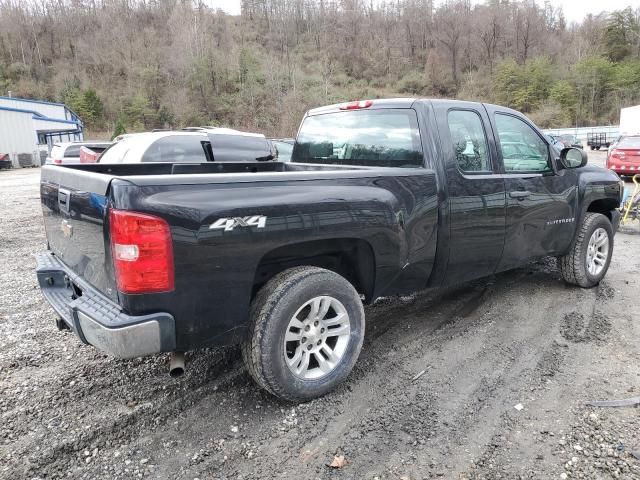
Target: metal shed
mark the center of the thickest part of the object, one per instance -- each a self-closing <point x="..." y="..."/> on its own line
<point x="28" y="127"/>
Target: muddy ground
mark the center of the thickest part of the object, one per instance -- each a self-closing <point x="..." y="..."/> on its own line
<point x="509" y="362"/>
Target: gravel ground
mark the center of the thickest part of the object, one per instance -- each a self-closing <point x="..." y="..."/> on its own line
<point x="509" y="363"/>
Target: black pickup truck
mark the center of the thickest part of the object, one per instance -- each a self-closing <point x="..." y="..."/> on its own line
<point x="381" y="197"/>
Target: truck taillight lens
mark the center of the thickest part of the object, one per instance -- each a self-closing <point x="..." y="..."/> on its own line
<point x="142" y="252"/>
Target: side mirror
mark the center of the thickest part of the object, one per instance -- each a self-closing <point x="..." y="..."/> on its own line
<point x="572" y="157"/>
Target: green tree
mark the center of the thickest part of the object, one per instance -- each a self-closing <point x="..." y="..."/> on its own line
<point x="93" y="106"/>
<point x="593" y="77"/>
<point x="137" y="113"/>
<point x="119" y="128"/>
<point x="620" y="32"/>
<point x="564" y="94"/>
<point x="537" y="83"/>
<point x="85" y="103"/>
<point x="625" y="83"/>
<point x="508" y="83"/>
<point x="523" y="87"/>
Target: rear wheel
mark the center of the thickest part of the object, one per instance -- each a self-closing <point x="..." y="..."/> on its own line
<point x="307" y="328"/>
<point x="587" y="262"/>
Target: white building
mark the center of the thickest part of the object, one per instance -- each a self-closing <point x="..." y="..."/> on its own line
<point x="30" y="126"/>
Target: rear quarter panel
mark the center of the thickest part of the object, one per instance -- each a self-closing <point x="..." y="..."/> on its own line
<point x="215" y="269"/>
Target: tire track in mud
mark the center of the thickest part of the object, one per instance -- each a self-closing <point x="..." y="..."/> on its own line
<point x="507" y="455"/>
<point x="387" y="408"/>
<point x="317" y="434"/>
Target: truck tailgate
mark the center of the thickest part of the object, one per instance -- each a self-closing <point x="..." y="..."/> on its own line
<point x="74" y="207"/>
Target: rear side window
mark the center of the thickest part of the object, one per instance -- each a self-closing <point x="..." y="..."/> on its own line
<point x="385" y="138"/>
<point x="177" y="149"/>
<point x="72" y="151"/>
<point x="239" y="148"/>
<point x="469" y="141"/>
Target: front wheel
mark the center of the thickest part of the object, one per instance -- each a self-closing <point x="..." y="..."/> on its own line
<point x="588" y="260"/>
<point x="307" y="328"/>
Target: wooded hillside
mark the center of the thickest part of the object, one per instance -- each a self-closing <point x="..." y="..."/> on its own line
<point x="142" y="64"/>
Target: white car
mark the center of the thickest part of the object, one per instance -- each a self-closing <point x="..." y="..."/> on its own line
<point x="191" y="145"/>
<point x="69" y="152"/>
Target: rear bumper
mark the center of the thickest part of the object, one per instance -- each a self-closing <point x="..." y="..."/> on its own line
<point x="97" y="320"/>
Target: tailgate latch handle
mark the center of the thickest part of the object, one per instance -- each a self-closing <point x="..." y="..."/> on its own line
<point x="64" y="199"/>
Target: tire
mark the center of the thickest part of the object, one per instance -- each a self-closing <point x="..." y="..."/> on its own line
<point x="295" y="293"/>
<point x="574" y="266"/>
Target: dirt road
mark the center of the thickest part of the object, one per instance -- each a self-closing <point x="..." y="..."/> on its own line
<point x="484" y="381"/>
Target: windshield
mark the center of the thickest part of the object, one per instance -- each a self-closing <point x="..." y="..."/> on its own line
<point x="385" y="137"/>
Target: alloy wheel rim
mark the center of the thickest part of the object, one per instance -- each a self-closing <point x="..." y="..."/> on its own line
<point x="597" y="251"/>
<point x="317" y="338"/>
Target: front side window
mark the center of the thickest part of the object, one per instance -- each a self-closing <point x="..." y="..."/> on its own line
<point x="383" y="138"/>
<point x="522" y="148"/>
<point x="469" y="141"/>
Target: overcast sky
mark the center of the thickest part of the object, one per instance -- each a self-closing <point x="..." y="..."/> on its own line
<point x="574" y="10"/>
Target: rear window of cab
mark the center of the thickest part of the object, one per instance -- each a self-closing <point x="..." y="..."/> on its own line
<point x="383" y="138"/>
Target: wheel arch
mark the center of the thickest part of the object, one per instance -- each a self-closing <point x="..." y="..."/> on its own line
<point x="605" y="206"/>
<point x="353" y="258"/>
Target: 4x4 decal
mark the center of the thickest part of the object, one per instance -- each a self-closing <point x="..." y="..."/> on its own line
<point x="228" y="224"/>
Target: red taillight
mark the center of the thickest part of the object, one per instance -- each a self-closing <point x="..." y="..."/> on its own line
<point x="57" y="160"/>
<point x="142" y="252"/>
<point x="356" y="105"/>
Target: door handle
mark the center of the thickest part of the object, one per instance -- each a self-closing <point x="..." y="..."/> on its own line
<point x="520" y="194"/>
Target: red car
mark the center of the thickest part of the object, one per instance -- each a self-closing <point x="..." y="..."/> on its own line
<point x="624" y="158"/>
<point x="5" y="161"/>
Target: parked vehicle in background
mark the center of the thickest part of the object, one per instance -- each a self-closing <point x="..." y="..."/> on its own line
<point x="69" y="152"/>
<point x="5" y="161"/>
<point x="381" y="197"/>
<point x="554" y="141"/>
<point x="569" y="140"/>
<point x="596" y="141"/>
<point x="191" y="145"/>
<point x="284" y="147"/>
<point x="624" y="157"/>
